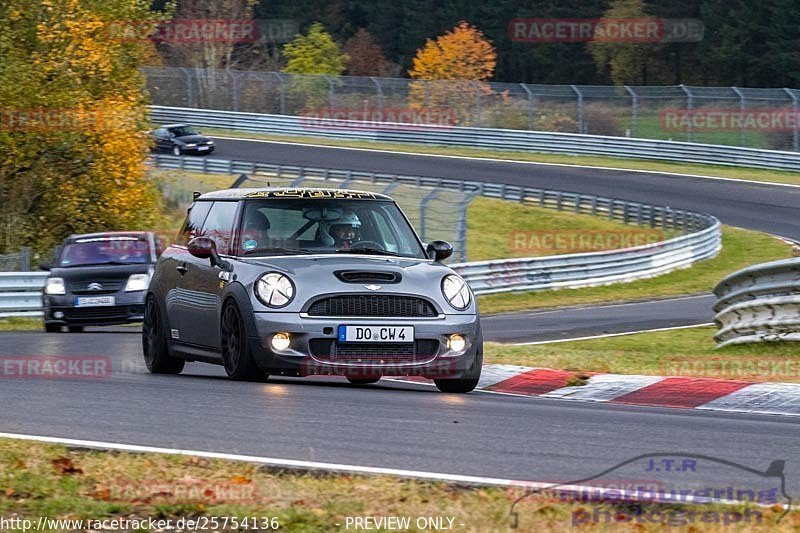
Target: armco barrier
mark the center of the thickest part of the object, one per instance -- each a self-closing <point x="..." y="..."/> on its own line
<point x="491" y="139"/>
<point x="759" y="303"/>
<point x="21" y="293"/>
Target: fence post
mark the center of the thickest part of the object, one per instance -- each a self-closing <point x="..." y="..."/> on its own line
<point x="741" y="113"/>
<point x="283" y="92"/>
<point x="461" y="226"/>
<point x="530" y="105"/>
<point x="380" y="91"/>
<point x="794" y="112"/>
<point x="330" y="93"/>
<point x="689" y="106"/>
<point x="423" y="208"/>
<point x="190" y="100"/>
<point x="634" y="109"/>
<point x="235" y="86"/>
<point x="581" y="128"/>
<point x="477" y="86"/>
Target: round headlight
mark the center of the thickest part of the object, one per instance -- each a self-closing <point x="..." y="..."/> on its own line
<point x="456" y="292"/>
<point x="274" y="290"/>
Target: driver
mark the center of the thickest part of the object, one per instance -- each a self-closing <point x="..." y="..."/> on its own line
<point x="345" y="231"/>
<point x="255" y="233"/>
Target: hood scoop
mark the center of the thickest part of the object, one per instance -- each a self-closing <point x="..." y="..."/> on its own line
<point x="368" y="276"/>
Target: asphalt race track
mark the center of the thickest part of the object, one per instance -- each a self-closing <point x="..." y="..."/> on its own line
<point x="411" y="426"/>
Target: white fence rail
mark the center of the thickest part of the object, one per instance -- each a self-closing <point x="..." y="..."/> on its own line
<point x="759" y="303"/>
<point x="486" y="138"/>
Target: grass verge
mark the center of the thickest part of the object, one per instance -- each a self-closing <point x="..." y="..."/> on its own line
<point x="679" y="352"/>
<point x="740" y="248"/>
<point x="722" y="171"/>
<point x="21" y="324"/>
<point x="58" y="483"/>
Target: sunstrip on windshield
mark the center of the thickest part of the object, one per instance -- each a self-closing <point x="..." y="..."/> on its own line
<point x="315" y="193"/>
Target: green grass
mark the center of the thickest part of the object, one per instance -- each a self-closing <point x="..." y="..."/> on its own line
<point x="42" y="480"/>
<point x="679" y="352"/>
<point x="724" y="171"/>
<point x="21" y="324"/>
<point x="740" y="248"/>
<point x="494" y="229"/>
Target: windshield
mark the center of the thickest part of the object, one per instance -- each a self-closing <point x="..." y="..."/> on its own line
<point x="122" y="250"/>
<point x="330" y="226"/>
<point x="182" y="131"/>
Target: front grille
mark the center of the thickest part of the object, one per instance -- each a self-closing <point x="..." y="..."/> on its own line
<point x="329" y="350"/>
<point x="102" y="313"/>
<point x="108" y="286"/>
<point x="372" y="305"/>
<point x="367" y="276"/>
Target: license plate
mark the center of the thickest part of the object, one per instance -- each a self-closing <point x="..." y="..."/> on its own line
<point x="94" y="301"/>
<point x="376" y="333"/>
<point x="201" y="148"/>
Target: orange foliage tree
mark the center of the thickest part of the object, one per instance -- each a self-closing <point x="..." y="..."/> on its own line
<point x="453" y="67"/>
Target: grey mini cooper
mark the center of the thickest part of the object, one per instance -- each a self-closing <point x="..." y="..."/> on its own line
<point x="300" y="282"/>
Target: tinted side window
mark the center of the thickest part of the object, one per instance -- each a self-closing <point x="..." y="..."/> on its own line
<point x="218" y="225"/>
<point x="194" y="222"/>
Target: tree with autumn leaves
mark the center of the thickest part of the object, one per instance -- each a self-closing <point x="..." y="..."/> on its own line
<point x="463" y="57"/>
<point x="72" y="141"/>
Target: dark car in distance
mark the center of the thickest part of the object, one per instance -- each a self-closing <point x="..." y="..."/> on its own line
<point x="99" y="279"/>
<point x="179" y="139"/>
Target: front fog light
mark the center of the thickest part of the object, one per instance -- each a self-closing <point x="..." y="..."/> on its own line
<point x="280" y="342"/>
<point x="457" y="343"/>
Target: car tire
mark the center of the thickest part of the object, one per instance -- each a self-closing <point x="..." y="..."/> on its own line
<point x="154" y="343"/>
<point x="362" y="381"/>
<point x="469" y="380"/>
<point x="176" y="151"/>
<point x="236" y="356"/>
<point x="75" y="329"/>
<point x="52" y="328"/>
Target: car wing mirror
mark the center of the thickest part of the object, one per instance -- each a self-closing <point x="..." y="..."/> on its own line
<point x="44" y="265"/>
<point x="206" y="248"/>
<point x="439" y="250"/>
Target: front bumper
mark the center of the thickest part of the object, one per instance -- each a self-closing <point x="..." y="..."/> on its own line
<point x="198" y="150"/>
<point x="315" y="350"/>
<point x="60" y="310"/>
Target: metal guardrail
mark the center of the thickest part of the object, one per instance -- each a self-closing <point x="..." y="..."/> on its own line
<point x="759" y="303"/>
<point x="21" y="293"/>
<point x="701" y="237"/>
<point x="492" y="139"/>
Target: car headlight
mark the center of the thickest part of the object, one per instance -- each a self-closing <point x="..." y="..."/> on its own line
<point x="137" y="282"/>
<point x="191" y="145"/>
<point x="456" y="292"/>
<point x="274" y="290"/>
<point x="54" y="286"/>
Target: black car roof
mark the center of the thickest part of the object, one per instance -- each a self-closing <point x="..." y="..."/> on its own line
<point x="288" y="193"/>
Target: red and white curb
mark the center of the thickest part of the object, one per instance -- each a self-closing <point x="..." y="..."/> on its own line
<point x="659" y="391"/>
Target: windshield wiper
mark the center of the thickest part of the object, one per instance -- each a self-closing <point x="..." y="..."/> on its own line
<point x="373" y="251"/>
<point x="286" y="251"/>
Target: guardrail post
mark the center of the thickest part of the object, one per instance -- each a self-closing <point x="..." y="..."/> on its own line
<point x="741" y="114"/>
<point x="689" y="107"/>
<point x="634" y="109"/>
<point x="794" y="112"/>
<point x="581" y="128"/>
<point x="530" y="106"/>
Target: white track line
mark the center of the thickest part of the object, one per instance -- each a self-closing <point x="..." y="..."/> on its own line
<point x="611" y="335"/>
<point x="517" y="161"/>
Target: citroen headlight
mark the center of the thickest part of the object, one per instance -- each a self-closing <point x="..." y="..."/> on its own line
<point x="456" y="292"/>
<point x="274" y="290"/>
<point x="54" y="286"/>
<point x="137" y="282"/>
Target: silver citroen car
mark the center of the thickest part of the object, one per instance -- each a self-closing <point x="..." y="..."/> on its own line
<point x="300" y="282"/>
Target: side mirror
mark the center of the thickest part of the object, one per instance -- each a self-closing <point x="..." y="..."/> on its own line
<point x="45" y="266"/>
<point x="439" y="250"/>
<point x="205" y="248"/>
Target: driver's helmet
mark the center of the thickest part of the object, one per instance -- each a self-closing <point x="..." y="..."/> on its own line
<point x="345" y="231"/>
